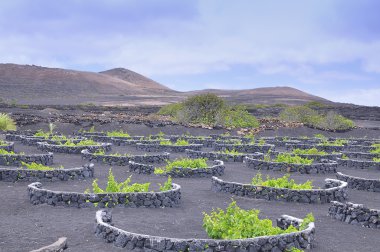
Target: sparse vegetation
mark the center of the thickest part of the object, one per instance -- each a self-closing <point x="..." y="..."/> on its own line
<point x="230" y="152"/>
<point x="337" y="142"/>
<point x="118" y="133"/>
<point x="179" y="142"/>
<point x="6" y="122"/>
<point x="292" y="159"/>
<point x="375" y="159"/>
<point x="283" y="182"/>
<point x="331" y="121"/>
<point x="167" y="185"/>
<point x="5" y="152"/>
<point x="80" y="143"/>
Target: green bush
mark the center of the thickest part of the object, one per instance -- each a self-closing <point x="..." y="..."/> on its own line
<point x="118" y="187"/>
<point x="292" y="159"/>
<point x="171" y="109"/>
<point x="211" y="110"/>
<point x="6" y="122"/>
<point x="168" y="185"/>
<point x="230" y="152"/>
<point x="184" y="163"/>
<point x="376" y="159"/>
<point x="331" y="121"/>
<point x="337" y="142"/>
<point x="237" y="117"/>
<point x="5" y="152"/>
<point x="237" y="223"/>
<point x="282" y="182"/>
<point x="312" y="151"/>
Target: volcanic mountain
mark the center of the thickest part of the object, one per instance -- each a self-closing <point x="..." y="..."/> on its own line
<point x="30" y="84"/>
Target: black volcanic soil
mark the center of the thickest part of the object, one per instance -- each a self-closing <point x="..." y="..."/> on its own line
<point x="25" y="227"/>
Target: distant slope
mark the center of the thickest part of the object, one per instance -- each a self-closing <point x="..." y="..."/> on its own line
<point x="136" y="78"/>
<point x="31" y="84"/>
<point x="266" y="95"/>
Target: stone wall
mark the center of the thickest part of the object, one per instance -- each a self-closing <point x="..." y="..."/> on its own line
<point x="216" y="169"/>
<point x="72" y="149"/>
<point x="222" y="156"/>
<point x="317" y="158"/>
<point x="355" y="214"/>
<point x="318" y="147"/>
<point x="168" y="148"/>
<point x="170" y="198"/>
<point x="358" y="148"/>
<point x="360" y="155"/>
<point x="372" y="185"/>
<point x="105" y="229"/>
<point x="334" y="190"/>
<point x="124" y="160"/>
<point x="15" y="160"/>
<point x="124" y="142"/>
<point x="32" y="141"/>
<point x="8" y="146"/>
<point x="359" y="164"/>
<point x="257" y="164"/>
<point x="13" y="175"/>
<point x="247" y="148"/>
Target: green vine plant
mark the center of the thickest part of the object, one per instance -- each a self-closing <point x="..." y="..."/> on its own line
<point x="179" y="142"/>
<point x="125" y="186"/>
<point x="237" y="223"/>
<point x="118" y="133"/>
<point x="283" y="182"/>
<point x="312" y="151"/>
<point x="80" y="143"/>
<point x="182" y="162"/>
<point x="38" y="167"/>
<point x="288" y="158"/>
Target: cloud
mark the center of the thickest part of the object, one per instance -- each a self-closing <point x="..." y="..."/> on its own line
<point x="369" y="97"/>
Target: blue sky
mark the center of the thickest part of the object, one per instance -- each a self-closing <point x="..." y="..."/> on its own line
<point x="329" y="48"/>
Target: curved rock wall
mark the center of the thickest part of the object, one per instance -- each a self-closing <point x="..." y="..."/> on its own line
<point x="335" y="190"/>
<point x="39" y="195"/>
<point x="72" y="149"/>
<point x="222" y="156"/>
<point x="131" y="241"/>
<point x="13" y="175"/>
<point x="15" y="160"/>
<point x="168" y="148"/>
<point x="372" y="185"/>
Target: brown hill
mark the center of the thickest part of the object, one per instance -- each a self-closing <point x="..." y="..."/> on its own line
<point x="31" y="84"/>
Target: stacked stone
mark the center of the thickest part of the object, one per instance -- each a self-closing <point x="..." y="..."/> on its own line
<point x="358" y="148"/>
<point x="316" y="158"/>
<point x="329" y="166"/>
<point x="360" y="155"/>
<point x="318" y="147"/>
<point x="359" y="164"/>
<point x="181" y="172"/>
<point x="372" y="185"/>
<point x="355" y="214"/>
<point x="105" y="229"/>
<point x="170" y="198"/>
<point x="108" y="139"/>
<point x="13" y="175"/>
<point x="16" y="159"/>
<point x="247" y="148"/>
<point x="168" y="148"/>
<point x="8" y="146"/>
<point x="131" y="142"/>
<point x="72" y="149"/>
<point x="334" y="190"/>
<point x="124" y="160"/>
<point x="223" y="156"/>
<point x="32" y="141"/>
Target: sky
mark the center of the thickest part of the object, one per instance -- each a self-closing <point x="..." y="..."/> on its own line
<point x="329" y="48"/>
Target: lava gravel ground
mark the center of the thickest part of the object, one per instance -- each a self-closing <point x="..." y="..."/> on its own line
<point x="25" y="227"/>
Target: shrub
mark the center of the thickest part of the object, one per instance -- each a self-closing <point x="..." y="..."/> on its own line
<point x="312" y="151"/>
<point x="321" y="137"/>
<point x="331" y="121"/>
<point x="237" y="223"/>
<point x="292" y="159"/>
<point x="119" y="133"/>
<point x="3" y="143"/>
<point x="230" y="152"/>
<point x="6" y="122"/>
<point x="118" y="187"/>
<point x="38" y="167"/>
<point x="171" y="109"/>
<point x="211" y="110"/>
<point x="282" y="182"/>
<point x="237" y="117"/>
<point x="337" y="142"/>
<point x="376" y="159"/>
<point x="184" y="163"/>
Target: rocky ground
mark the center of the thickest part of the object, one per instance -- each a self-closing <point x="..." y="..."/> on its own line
<point x="25" y="227"/>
